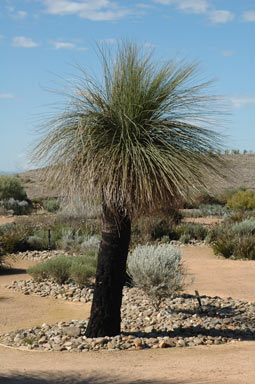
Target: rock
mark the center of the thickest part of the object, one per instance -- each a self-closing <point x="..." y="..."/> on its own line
<point x="72" y="331"/>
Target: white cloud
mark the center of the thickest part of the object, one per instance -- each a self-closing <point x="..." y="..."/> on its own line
<point x="20" y="15"/>
<point x="143" y="5"/>
<point x="242" y="101"/>
<point x="65" y="45"/>
<point x="249" y="16"/>
<point x="96" y="10"/>
<point x="193" y="6"/>
<point x="109" y="41"/>
<point x="6" y="96"/>
<point x="220" y="16"/>
<point x="227" y="52"/>
<point x="149" y="45"/>
<point x="199" y="7"/>
<point x="24" y="42"/>
<point x="188" y="6"/>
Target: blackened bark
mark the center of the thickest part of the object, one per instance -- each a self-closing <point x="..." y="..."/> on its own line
<point x="105" y="316"/>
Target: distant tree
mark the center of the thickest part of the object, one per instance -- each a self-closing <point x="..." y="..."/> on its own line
<point x="135" y="142"/>
<point x="11" y="187"/>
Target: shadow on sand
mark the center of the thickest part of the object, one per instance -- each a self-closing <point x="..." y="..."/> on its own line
<point x="48" y="378"/>
<point x="5" y="270"/>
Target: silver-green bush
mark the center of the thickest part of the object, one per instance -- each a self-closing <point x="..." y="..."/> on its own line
<point x="157" y="270"/>
<point x="245" y="227"/>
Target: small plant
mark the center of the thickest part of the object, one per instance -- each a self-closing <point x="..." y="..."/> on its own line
<point x="29" y="340"/>
<point x="37" y="243"/>
<point x="224" y="245"/>
<point x="18" y="207"/>
<point x="83" y="270"/>
<point x="245" y="227"/>
<point x="194" y="231"/>
<point x="51" y="205"/>
<point x="13" y="238"/>
<point x="39" y="272"/>
<point x="185" y="238"/>
<point x="245" y="248"/>
<point x="64" y="268"/>
<point x="213" y="210"/>
<point x="157" y="270"/>
<point x="147" y="229"/>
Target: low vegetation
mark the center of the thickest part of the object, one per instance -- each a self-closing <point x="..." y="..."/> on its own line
<point x="234" y="240"/>
<point x="61" y="269"/>
<point x="157" y="270"/>
<point x="11" y="187"/>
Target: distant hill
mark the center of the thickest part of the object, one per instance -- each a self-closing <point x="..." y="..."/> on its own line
<point x="240" y="171"/>
<point x="2" y="173"/>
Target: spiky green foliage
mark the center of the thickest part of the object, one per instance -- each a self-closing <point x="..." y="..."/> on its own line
<point x="139" y="138"/>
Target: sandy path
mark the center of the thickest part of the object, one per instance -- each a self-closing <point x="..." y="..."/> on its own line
<point x="226" y="364"/>
<point x="223" y="364"/>
<point x="20" y="311"/>
<point x="6" y="220"/>
<point x="215" y="276"/>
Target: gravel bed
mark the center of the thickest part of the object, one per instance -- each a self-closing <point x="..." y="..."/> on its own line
<point x="37" y="255"/>
<point x="68" y="291"/>
<point x="45" y="255"/>
<point x="177" y="322"/>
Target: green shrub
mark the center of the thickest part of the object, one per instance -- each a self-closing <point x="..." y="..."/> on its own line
<point x="224" y="245"/>
<point x="83" y="269"/>
<point x="213" y="233"/>
<point x="146" y="229"/>
<point x="64" y="268"/>
<point x="185" y="238"/>
<point x="244" y="247"/>
<point x="18" y="207"/>
<point x="213" y="210"/>
<point x="37" y="243"/>
<point x="51" y="205"/>
<point x="194" y="231"/>
<point x="243" y="200"/>
<point x="57" y="268"/>
<point x="11" y="187"/>
<point x="158" y="229"/>
<point x="227" y="193"/>
<point x="82" y="274"/>
<point x="245" y="227"/>
<point x="39" y="272"/>
<point x="234" y="240"/>
<point x="13" y="238"/>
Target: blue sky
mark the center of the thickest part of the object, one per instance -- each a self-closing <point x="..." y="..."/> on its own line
<point x="42" y="40"/>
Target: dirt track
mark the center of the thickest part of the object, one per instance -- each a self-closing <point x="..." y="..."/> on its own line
<point x="233" y="363"/>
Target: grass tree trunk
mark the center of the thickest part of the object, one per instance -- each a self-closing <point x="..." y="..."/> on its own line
<point x="105" y="316"/>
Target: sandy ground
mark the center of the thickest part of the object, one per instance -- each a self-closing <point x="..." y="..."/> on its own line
<point x="6" y="220"/>
<point x="233" y="363"/>
<point x="202" y="220"/>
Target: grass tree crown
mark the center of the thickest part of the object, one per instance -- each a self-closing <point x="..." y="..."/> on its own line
<point x="139" y="137"/>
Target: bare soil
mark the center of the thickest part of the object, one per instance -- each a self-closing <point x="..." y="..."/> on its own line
<point x="232" y="363"/>
<point x="6" y="219"/>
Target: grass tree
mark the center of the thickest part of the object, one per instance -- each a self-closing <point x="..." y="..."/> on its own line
<point x="135" y="140"/>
